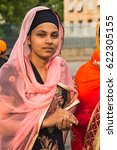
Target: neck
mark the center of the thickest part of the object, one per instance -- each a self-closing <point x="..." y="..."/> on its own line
<point x="40" y="65"/>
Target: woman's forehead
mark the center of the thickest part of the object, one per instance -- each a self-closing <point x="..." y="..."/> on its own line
<point x="47" y="26"/>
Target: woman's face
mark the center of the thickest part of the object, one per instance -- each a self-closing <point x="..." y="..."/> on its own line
<point x="43" y="40"/>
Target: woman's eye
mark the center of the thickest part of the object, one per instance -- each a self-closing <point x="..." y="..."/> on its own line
<point x="55" y="35"/>
<point x="40" y="35"/>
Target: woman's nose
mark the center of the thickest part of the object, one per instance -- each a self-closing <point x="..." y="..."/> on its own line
<point x="48" y="39"/>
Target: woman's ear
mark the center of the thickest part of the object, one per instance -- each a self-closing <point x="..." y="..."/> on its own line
<point x="28" y="40"/>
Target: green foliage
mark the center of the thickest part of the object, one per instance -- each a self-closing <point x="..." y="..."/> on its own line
<point x="13" y="11"/>
<point x="1" y="33"/>
<point x="56" y="5"/>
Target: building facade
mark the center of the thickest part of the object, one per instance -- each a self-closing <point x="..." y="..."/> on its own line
<point x="80" y="20"/>
<point x="81" y="17"/>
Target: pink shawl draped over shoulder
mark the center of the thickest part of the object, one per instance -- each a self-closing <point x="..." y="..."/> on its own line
<point x="23" y="101"/>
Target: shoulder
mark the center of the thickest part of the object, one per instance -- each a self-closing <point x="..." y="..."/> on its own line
<point x="82" y="71"/>
<point x="83" y="67"/>
<point x="8" y="69"/>
<point x="63" y="61"/>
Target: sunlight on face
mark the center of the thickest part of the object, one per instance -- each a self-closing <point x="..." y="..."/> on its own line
<point x="43" y="40"/>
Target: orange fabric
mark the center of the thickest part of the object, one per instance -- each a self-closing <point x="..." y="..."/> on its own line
<point x="88" y="86"/>
<point x="3" y="46"/>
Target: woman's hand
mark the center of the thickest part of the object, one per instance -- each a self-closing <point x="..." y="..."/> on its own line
<point x="63" y="123"/>
<point x="61" y="118"/>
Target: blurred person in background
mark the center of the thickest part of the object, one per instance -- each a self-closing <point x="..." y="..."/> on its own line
<point x="3" y="49"/>
<point x="37" y="94"/>
<point x="85" y="135"/>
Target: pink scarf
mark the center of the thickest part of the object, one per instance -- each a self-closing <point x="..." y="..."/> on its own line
<point x="23" y="101"/>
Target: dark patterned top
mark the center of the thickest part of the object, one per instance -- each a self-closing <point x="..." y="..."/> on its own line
<point x="51" y="138"/>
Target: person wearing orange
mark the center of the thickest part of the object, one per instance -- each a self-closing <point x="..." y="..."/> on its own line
<point x="87" y="80"/>
<point x="3" y="47"/>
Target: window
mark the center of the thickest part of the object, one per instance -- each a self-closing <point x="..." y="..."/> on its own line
<point x="89" y="28"/>
<point x="71" y="6"/>
<point x="98" y="19"/>
<point x="71" y="26"/>
<point x="89" y="21"/>
<point x="90" y="4"/>
<point x="80" y="6"/>
<point x="80" y="23"/>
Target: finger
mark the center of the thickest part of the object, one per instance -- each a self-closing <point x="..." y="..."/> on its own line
<point x="73" y="120"/>
<point x="59" y="123"/>
<point x="64" y="123"/>
<point x="69" y="125"/>
<point x="71" y="117"/>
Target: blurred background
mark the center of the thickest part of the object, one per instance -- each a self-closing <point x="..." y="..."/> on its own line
<point x="79" y="18"/>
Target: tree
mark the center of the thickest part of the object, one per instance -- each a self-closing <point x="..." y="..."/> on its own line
<point x="13" y="11"/>
<point x="56" y="5"/>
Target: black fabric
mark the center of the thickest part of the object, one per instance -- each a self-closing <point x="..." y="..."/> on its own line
<point x="37" y="75"/>
<point x="55" y="137"/>
<point x="51" y="136"/>
<point x="42" y="17"/>
<point x="2" y="61"/>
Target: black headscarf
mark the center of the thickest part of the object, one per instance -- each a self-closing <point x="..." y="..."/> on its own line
<point x="42" y="17"/>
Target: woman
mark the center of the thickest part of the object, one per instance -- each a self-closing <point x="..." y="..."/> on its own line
<point x="37" y="97"/>
<point x="87" y="81"/>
